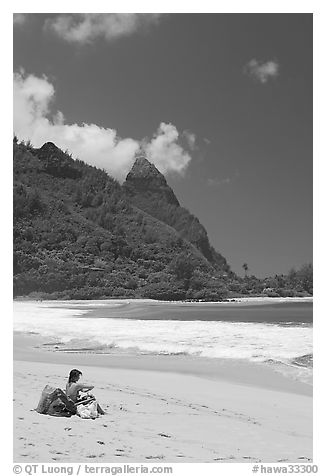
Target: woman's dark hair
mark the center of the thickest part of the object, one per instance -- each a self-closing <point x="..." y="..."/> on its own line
<point x="74" y="375"/>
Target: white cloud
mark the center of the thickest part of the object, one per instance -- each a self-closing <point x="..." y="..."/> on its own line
<point x="190" y="139"/>
<point x="19" y="18"/>
<point x="91" y="143"/>
<point x="215" y="182"/>
<point x="262" y="72"/>
<point x="165" y="152"/>
<point x="218" y="182"/>
<point x="87" y="27"/>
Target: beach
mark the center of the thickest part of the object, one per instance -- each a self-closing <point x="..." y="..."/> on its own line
<point x="160" y="408"/>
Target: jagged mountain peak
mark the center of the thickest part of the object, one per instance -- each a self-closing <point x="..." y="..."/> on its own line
<point x="50" y="148"/>
<point x="144" y="168"/>
<point x="148" y="190"/>
<point x="144" y="177"/>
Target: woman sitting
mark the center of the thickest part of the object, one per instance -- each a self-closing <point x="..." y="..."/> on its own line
<point x="73" y="389"/>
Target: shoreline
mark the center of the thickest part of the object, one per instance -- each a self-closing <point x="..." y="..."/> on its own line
<point x="36" y="348"/>
<point x="132" y="353"/>
<point x="159" y="408"/>
<point x="160" y="414"/>
<point x="252" y="300"/>
<point x="249" y="310"/>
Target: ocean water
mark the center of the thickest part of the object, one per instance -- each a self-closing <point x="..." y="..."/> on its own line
<point x="283" y="338"/>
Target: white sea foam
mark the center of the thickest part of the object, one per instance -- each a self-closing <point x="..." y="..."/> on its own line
<point x="239" y="340"/>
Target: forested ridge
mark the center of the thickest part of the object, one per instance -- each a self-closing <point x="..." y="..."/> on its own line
<point x="79" y="234"/>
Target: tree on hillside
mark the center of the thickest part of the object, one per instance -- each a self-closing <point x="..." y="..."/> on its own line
<point x="302" y="278"/>
<point x="305" y="274"/>
<point x="245" y="267"/>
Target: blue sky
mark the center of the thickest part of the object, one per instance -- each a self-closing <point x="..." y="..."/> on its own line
<point x="222" y="104"/>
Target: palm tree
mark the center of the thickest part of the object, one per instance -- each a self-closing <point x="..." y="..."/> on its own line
<point x="245" y="267"/>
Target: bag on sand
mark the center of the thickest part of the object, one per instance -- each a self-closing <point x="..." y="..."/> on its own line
<point x="46" y="398"/>
<point x="54" y="402"/>
<point x="58" y="408"/>
<point x="87" y="411"/>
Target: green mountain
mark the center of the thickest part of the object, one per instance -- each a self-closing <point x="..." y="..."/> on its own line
<point x="79" y="234"/>
<point x="147" y="188"/>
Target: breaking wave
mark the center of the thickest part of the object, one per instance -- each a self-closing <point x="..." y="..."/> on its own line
<point x="72" y="331"/>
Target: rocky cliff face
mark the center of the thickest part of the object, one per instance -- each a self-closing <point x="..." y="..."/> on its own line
<point x="145" y="180"/>
<point x="148" y="190"/>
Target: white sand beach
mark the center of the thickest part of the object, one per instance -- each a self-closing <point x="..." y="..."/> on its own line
<point x="155" y="414"/>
